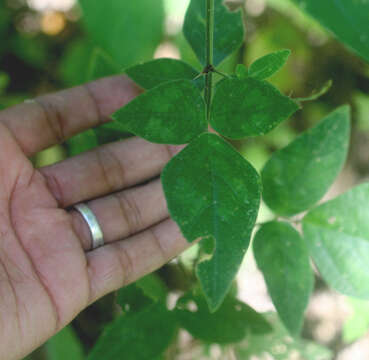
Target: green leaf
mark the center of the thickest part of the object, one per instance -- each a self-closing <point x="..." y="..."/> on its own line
<point x="228" y="30"/>
<point x="269" y="64"/>
<point x="278" y="345"/>
<point x="101" y="65"/>
<point x="156" y="72"/>
<point x="111" y="131"/>
<point x="171" y="113"/>
<point x="82" y="142"/>
<point x="129" y="31"/>
<point x="213" y="193"/>
<point x="348" y="20"/>
<point x="317" y="93"/>
<point x="337" y="234"/>
<point x="283" y="257"/>
<point x="229" y="324"/>
<point x="146" y="291"/>
<point x="248" y="107"/>
<point x="139" y="336"/>
<point x="298" y="176"/>
<point x="241" y="71"/>
<point x="64" y="345"/>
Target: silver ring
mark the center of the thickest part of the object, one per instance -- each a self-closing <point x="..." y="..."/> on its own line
<point x="95" y="229"/>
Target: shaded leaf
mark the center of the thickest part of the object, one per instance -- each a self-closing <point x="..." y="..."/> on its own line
<point x="136" y="336"/>
<point x="101" y="65"/>
<point x="82" y="142"/>
<point x="158" y="71"/>
<point x="64" y="345"/>
<point x="298" y="176"/>
<point x="348" y="20"/>
<point x="241" y="71"/>
<point x="129" y="31"/>
<point x="283" y="257"/>
<point x="171" y="113"/>
<point x="213" y="194"/>
<point x="228" y="30"/>
<point x="229" y="324"/>
<point x="146" y="291"/>
<point x="268" y="65"/>
<point x="248" y="107"/>
<point x="337" y="233"/>
<point x="111" y="131"/>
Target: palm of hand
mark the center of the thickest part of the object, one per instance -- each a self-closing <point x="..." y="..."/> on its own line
<point x="47" y="276"/>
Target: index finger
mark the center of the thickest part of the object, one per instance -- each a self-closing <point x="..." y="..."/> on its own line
<point x="51" y="119"/>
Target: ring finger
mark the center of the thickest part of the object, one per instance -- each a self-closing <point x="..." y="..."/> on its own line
<point x="124" y="213"/>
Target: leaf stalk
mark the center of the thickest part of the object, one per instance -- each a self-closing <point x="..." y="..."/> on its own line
<point x="209" y="39"/>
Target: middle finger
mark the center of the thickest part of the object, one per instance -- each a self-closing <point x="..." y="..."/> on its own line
<point x="106" y="169"/>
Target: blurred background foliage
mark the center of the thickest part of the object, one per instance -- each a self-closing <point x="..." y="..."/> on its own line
<point x="44" y="47"/>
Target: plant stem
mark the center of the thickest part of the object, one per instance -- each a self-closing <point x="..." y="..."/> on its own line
<point x="209" y="39"/>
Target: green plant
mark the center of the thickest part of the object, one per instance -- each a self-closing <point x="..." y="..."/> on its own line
<point x="214" y="193"/>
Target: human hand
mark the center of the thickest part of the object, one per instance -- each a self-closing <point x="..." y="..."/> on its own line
<point x="48" y="275"/>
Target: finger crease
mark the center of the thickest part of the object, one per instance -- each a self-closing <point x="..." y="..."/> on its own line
<point x="93" y="99"/>
<point x="54" y="120"/>
<point x="159" y="245"/>
<point x="123" y="211"/>
<point x="126" y="264"/>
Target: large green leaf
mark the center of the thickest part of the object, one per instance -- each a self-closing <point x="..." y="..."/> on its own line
<point x="347" y="19"/>
<point x="229" y="324"/>
<point x="337" y="234"/>
<point x="296" y="177"/>
<point x="228" y="30"/>
<point x="269" y="64"/>
<point x="171" y="113"/>
<point x="64" y="345"/>
<point x="158" y="71"/>
<point x="129" y="31"/>
<point x="283" y="257"/>
<point x="248" y="107"/>
<point x="139" y="336"/>
<point x="214" y="194"/>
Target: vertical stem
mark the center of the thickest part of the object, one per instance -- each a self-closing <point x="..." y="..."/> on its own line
<point x="209" y="38"/>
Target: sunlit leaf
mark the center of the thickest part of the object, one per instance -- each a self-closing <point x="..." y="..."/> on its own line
<point x="337" y="233"/>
